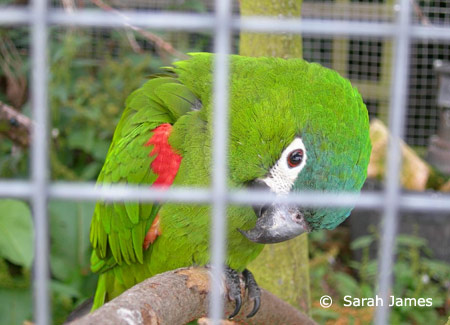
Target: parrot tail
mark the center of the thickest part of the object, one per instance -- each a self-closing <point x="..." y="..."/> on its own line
<point x="100" y="293"/>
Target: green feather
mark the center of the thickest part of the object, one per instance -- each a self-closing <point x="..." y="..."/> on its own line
<point x="138" y="234"/>
<point x="178" y="99"/>
<point x="100" y="293"/>
<point x="114" y="244"/>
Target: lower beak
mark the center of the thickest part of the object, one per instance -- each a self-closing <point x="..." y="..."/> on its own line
<point x="277" y="223"/>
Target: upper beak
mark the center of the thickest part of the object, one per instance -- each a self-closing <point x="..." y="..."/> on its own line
<point x="276" y="222"/>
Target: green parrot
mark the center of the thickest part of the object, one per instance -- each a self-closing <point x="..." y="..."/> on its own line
<point x="294" y="125"/>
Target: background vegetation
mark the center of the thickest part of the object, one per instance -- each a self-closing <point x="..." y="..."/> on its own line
<point x="88" y="86"/>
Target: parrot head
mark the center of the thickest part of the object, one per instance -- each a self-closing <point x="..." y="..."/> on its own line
<point x="294" y="126"/>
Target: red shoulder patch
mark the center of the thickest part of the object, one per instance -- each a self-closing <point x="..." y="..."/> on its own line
<point x="165" y="165"/>
<point x="167" y="161"/>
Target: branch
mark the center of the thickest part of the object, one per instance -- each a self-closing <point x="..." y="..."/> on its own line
<point x="418" y="11"/>
<point x="12" y="67"/>
<point x="159" y="42"/>
<point x="15" y="125"/>
<point x="180" y="296"/>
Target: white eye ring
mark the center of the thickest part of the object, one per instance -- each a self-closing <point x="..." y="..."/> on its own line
<point x="282" y="175"/>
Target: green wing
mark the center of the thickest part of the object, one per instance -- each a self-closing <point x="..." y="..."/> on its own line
<point x="118" y="229"/>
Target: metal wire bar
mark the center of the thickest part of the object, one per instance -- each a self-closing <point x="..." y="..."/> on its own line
<point x="397" y="115"/>
<point x="430" y="203"/>
<point x="196" y="22"/>
<point x="147" y="19"/>
<point x="189" y="21"/>
<point x="85" y="191"/>
<point x="222" y="47"/>
<point x="39" y="162"/>
<point x="15" y="16"/>
<point x="314" y="26"/>
<point x="435" y="33"/>
<point x="365" y="200"/>
<point x="16" y="189"/>
<point x="116" y="192"/>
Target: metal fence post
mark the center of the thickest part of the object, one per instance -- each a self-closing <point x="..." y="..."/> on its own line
<point x="397" y="114"/>
<point x="39" y="161"/>
<point x="222" y="47"/>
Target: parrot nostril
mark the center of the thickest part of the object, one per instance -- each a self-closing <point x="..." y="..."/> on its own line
<point x="263" y="209"/>
<point x="298" y="217"/>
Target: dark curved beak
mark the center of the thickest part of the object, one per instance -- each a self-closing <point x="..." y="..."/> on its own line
<point x="276" y="222"/>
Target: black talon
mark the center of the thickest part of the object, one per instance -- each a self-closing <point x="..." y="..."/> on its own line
<point x="238" y="300"/>
<point x="256" y="305"/>
<point x="254" y="292"/>
<point x="234" y="286"/>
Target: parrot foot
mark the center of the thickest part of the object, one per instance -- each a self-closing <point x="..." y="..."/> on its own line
<point x="234" y="289"/>
<point x="234" y="292"/>
<point x="254" y="292"/>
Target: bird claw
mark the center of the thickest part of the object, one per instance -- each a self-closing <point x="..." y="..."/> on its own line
<point x="256" y="305"/>
<point x="238" y="301"/>
<point x="254" y="292"/>
<point x="234" y="293"/>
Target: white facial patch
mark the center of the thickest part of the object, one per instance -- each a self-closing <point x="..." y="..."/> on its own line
<point x="283" y="174"/>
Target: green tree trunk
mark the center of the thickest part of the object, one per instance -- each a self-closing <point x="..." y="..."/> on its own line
<point x="283" y="268"/>
<point x="278" y="45"/>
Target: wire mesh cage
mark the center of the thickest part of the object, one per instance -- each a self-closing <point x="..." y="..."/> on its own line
<point x="387" y="53"/>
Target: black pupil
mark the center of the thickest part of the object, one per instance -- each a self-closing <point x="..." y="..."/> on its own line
<point x="295" y="158"/>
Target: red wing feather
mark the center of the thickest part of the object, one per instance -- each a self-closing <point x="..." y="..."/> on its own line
<point x="165" y="165"/>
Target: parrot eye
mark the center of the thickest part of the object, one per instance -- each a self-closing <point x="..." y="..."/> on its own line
<point x="285" y="171"/>
<point x="295" y="158"/>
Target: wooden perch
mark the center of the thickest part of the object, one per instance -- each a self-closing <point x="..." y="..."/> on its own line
<point x="15" y="125"/>
<point x="180" y="296"/>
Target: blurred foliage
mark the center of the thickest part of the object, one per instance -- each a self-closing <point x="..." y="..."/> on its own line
<point x="16" y="233"/>
<point x="86" y="97"/>
<point x="92" y="71"/>
<point x="86" y="101"/>
<point x="16" y="253"/>
<point x="71" y="282"/>
<point x="336" y="273"/>
<point x="91" y="75"/>
<point x="89" y="82"/>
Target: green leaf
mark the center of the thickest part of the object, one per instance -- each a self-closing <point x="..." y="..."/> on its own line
<point x="91" y="170"/>
<point x="437" y="268"/>
<point x="372" y="268"/>
<point x="64" y="289"/>
<point x="361" y="242"/>
<point x="69" y="231"/>
<point x="366" y="291"/>
<point x="324" y="313"/>
<point x="411" y="241"/>
<point x="82" y="139"/>
<point x="16" y="232"/>
<point x="345" y="284"/>
<point x="15" y="306"/>
<point x="100" y="149"/>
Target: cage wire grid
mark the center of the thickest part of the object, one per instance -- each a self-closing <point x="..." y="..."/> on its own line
<point x="402" y="31"/>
